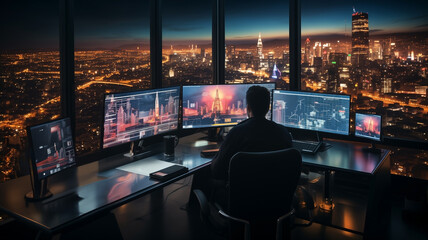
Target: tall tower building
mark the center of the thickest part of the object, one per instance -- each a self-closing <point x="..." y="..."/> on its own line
<point x="318" y="49"/>
<point x="216" y="104"/>
<point x="307" y="50"/>
<point x="275" y="72"/>
<point x="360" y="39"/>
<point x="260" y="47"/>
<point x="156" y="114"/>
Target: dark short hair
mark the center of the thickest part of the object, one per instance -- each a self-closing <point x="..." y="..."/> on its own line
<point x="258" y="99"/>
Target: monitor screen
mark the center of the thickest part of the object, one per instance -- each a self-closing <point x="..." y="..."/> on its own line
<point x="368" y="126"/>
<point x="312" y="111"/>
<point x="136" y="115"/>
<point x="52" y="147"/>
<point x="216" y="105"/>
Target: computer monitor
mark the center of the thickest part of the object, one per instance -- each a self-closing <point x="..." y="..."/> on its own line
<point x="312" y="111"/>
<point x="52" y="151"/>
<point x="132" y="116"/>
<point x="216" y="105"/>
<point x="368" y="126"/>
<point x="52" y="148"/>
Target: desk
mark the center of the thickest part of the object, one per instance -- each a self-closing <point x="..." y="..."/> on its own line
<point x="371" y="171"/>
<point x="93" y="189"/>
<point x="101" y="187"/>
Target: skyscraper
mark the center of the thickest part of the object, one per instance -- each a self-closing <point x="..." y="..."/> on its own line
<point x="360" y="39"/>
<point x="307" y="50"/>
<point x="275" y="72"/>
<point x="156" y="114"/>
<point x="260" y="47"/>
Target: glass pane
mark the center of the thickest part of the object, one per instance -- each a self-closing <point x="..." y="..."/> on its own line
<point x="257" y="42"/>
<point x="112" y="54"/>
<point x="409" y="162"/>
<point x="186" y="42"/>
<point x="374" y="51"/>
<point x="29" y="77"/>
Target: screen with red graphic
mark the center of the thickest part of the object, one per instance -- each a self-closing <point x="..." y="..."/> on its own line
<point x="216" y="105"/>
<point x="52" y="147"/>
<point x="368" y="126"/>
<point x="132" y="116"/>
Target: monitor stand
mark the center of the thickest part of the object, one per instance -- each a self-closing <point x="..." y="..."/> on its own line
<point x="40" y="191"/>
<point x="213" y="134"/>
<point x="138" y="150"/>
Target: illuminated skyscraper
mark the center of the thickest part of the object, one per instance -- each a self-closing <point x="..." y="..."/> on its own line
<point x="377" y="50"/>
<point x="318" y="49"/>
<point x="360" y="39"/>
<point x="307" y="50"/>
<point x="275" y="73"/>
<point x="260" y="47"/>
<point x="156" y="114"/>
<point x="216" y="106"/>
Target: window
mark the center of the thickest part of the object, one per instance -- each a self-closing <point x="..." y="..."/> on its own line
<point x="378" y="58"/>
<point x="112" y="54"/>
<point x="186" y="42"/>
<point x="257" y="42"/>
<point x="409" y="162"/>
<point x="29" y="77"/>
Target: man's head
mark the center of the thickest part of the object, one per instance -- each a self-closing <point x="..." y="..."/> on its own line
<point x="258" y="101"/>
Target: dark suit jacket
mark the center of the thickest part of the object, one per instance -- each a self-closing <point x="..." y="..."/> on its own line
<point x="256" y="134"/>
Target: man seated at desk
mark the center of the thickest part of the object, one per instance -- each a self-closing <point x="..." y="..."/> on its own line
<point x="256" y="134"/>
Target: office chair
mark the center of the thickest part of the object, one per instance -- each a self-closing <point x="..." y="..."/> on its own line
<point x="260" y="193"/>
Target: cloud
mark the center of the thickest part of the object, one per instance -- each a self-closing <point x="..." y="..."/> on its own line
<point x="417" y="17"/>
<point x="376" y="30"/>
<point x="422" y="26"/>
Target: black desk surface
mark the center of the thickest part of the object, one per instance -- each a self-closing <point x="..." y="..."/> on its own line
<point x="346" y="156"/>
<point x="98" y="187"/>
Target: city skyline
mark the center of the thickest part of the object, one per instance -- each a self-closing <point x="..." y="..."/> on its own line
<point x="114" y="25"/>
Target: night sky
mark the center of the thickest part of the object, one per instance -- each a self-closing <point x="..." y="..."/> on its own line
<point x="100" y="24"/>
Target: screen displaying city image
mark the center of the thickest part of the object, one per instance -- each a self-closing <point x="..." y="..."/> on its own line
<point x="216" y="105"/>
<point x="368" y="126"/>
<point x="52" y="147"/>
<point x="135" y="115"/>
<point x="312" y="111"/>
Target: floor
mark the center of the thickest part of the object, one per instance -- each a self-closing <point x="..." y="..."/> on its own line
<point x="161" y="216"/>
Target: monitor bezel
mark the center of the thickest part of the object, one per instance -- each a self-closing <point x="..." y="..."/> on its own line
<point x="331" y="94"/>
<point x="144" y="138"/>
<point x="33" y="167"/>
<point x="228" y="125"/>
<point x="365" y="137"/>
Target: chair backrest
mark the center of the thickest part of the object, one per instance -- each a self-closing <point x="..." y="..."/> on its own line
<point x="262" y="184"/>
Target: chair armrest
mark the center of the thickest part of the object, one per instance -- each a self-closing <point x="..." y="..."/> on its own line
<point x="203" y="203"/>
<point x="245" y="222"/>
<point x="279" y="222"/>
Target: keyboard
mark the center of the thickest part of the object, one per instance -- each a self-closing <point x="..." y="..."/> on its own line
<point x="306" y="147"/>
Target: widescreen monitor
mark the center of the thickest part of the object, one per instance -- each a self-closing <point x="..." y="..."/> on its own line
<point x="312" y="111"/>
<point x="216" y="105"/>
<point x="368" y="126"/>
<point x="132" y="116"/>
<point x="52" y="148"/>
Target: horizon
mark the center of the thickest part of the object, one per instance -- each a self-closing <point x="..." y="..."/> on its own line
<point x="125" y="24"/>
